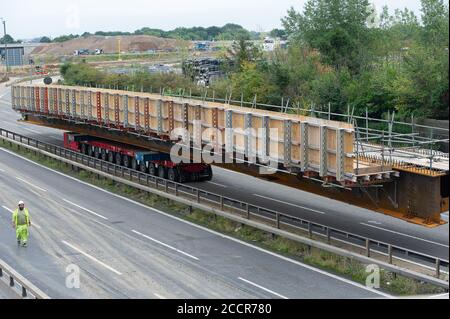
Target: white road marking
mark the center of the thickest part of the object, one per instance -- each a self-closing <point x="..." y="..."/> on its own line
<point x="85" y="209"/>
<point x="159" y="296"/>
<point x="406" y="235"/>
<point x="2" y="170"/>
<point x="92" y="258"/>
<point x="32" y="131"/>
<point x="32" y="185"/>
<point x="32" y="222"/>
<point x="290" y="204"/>
<point x="295" y="262"/>
<point x="217" y="184"/>
<point x="262" y="288"/>
<point x="374" y="222"/>
<point x="165" y="245"/>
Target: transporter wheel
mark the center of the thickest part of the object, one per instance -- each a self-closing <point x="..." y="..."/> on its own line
<point x="119" y="159"/>
<point x="134" y="164"/>
<point x="97" y="153"/>
<point x="210" y="174"/>
<point x="104" y="155"/>
<point x="126" y="161"/>
<point x="111" y="157"/>
<point x="162" y="172"/>
<point x="152" y="169"/>
<point x="194" y="177"/>
<point x="183" y="177"/>
<point x="84" y="149"/>
<point x="173" y="175"/>
<point x="143" y="167"/>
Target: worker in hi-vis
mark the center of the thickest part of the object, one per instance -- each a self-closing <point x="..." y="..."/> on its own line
<point x="21" y="221"/>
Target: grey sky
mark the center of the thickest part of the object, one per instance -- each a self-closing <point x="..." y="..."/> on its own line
<point x="31" y="18"/>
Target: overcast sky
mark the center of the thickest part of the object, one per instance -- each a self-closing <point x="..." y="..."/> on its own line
<point x="30" y="18"/>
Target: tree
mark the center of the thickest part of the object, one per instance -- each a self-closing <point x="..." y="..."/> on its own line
<point x="435" y="21"/>
<point x="278" y="33"/>
<point x="45" y="40"/>
<point x="7" y="39"/>
<point x="337" y="28"/>
<point x="242" y="51"/>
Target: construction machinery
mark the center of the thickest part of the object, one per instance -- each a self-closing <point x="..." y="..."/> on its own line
<point x="335" y="155"/>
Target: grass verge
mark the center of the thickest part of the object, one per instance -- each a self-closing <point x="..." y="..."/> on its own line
<point x="342" y="266"/>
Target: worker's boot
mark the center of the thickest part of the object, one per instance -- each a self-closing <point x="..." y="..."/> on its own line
<point x="24" y="244"/>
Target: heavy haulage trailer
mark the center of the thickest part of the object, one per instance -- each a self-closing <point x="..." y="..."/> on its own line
<point x="155" y="163"/>
<point x="317" y="155"/>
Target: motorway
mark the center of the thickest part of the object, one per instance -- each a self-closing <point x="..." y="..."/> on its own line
<point x="116" y="242"/>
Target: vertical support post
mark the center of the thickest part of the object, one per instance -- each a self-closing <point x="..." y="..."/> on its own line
<point x="74" y="103"/>
<point x="248" y="138"/>
<point x="323" y="171"/>
<point x="367" y="247"/>
<point x="137" y="114"/>
<point x="287" y="142"/>
<point x="106" y="96"/>
<point x="304" y="150"/>
<point x="117" y="110"/>
<point x="390" y="254"/>
<point x="37" y="100"/>
<point x="46" y="100"/>
<point x="90" y="107"/>
<point x="171" y="117"/>
<point x="229" y="143"/>
<point x="55" y="101"/>
<point x="82" y="105"/>
<point x="159" y="116"/>
<point x="147" y="114"/>
<point x="438" y="268"/>
<point x="125" y="111"/>
<point x="99" y="107"/>
<point x="265" y="139"/>
<point x="340" y="154"/>
<point x="367" y="125"/>
<point x="67" y="100"/>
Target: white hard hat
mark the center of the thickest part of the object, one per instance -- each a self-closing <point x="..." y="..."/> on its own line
<point x="21" y="203"/>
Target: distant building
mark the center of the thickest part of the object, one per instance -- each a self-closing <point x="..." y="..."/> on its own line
<point x="17" y="54"/>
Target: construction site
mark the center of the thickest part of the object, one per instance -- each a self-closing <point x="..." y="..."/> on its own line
<point x="398" y="170"/>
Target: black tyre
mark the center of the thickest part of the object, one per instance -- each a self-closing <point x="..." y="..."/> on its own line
<point x="111" y="157"/>
<point x="172" y="175"/>
<point x="103" y="155"/>
<point x="126" y="161"/>
<point x="152" y="169"/>
<point x="90" y="152"/>
<point x="143" y="167"/>
<point x="183" y="177"/>
<point x="134" y="164"/>
<point x="97" y="153"/>
<point x="162" y="172"/>
<point x="194" y="177"/>
<point x="119" y="159"/>
<point x="210" y="173"/>
<point x="84" y="149"/>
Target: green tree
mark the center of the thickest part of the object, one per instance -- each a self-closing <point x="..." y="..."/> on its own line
<point x="7" y="39"/>
<point x="45" y="40"/>
<point x="337" y="28"/>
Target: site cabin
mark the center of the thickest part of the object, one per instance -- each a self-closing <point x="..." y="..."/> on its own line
<point x="154" y="163"/>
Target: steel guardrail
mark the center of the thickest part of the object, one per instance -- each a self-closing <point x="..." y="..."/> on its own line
<point x="27" y="287"/>
<point x="243" y="209"/>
